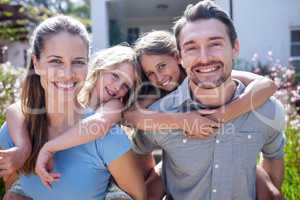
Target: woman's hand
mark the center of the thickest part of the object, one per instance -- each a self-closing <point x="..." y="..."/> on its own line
<point x="14" y="196"/>
<point x="197" y="125"/>
<point x="12" y="159"/>
<point x="44" y="166"/>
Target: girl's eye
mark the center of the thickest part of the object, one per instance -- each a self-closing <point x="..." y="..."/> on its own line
<point x="150" y="75"/>
<point x="115" y="76"/>
<point x="161" y="66"/>
<point x="125" y="87"/>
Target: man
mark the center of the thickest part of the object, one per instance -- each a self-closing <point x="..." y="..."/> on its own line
<point x="222" y="166"/>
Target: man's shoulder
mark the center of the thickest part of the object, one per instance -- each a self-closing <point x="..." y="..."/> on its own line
<point x="271" y="113"/>
<point x="167" y="102"/>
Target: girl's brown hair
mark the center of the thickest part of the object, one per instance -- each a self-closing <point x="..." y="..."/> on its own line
<point x="33" y="94"/>
<point x="155" y="43"/>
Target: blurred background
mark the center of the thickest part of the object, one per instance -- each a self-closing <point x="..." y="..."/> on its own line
<point x="268" y="30"/>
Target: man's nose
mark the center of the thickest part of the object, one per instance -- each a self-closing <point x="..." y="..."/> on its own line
<point x="203" y="55"/>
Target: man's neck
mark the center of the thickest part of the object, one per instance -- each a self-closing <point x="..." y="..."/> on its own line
<point x="215" y="97"/>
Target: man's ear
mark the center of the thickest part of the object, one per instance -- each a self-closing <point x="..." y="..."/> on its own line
<point x="236" y="49"/>
<point x="179" y="59"/>
<point x="36" y="66"/>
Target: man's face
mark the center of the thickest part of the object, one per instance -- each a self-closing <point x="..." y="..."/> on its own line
<point x="206" y="52"/>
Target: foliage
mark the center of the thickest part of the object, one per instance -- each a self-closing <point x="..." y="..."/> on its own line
<point x="291" y="184"/>
<point x="21" y="16"/>
<point x="10" y="81"/>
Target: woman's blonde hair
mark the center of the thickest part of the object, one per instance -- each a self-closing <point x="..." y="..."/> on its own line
<point x="109" y="59"/>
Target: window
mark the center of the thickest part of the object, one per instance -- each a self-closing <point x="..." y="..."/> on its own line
<point x="295" y="43"/>
<point x="132" y="35"/>
<point x="295" y="48"/>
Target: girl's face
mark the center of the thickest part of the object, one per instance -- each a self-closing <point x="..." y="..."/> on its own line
<point x="62" y="66"/>
<point x="163" y="71"/>
<point x="115" y="83"/>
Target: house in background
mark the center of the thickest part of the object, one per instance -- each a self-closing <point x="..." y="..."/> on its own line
<point x="262" y="25"/>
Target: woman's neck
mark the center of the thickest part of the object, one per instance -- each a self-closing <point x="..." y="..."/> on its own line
<point x="61" y="117"/>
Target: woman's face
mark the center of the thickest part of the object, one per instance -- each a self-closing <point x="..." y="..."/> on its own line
<point x="115" y="83"/>
<point x="62" y="66"/>
<point x="163" y="71"/>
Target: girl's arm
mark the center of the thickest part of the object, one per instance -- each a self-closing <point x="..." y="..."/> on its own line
<point x="88" y="129"/>
<point x="259" y="89"/>
<point x="14" y="158"/>
<point x="129" y="177"/>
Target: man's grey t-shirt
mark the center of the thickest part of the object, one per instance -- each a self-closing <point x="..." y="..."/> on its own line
<point x="220" y="167"/>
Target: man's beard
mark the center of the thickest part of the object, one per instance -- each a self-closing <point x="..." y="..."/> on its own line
<point x="209" y="84"/>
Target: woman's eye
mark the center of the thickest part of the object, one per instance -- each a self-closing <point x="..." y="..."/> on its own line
<point x="79" y="63"/>
<point x="55" y="61"/>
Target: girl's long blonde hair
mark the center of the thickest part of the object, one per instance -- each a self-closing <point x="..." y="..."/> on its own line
<point x="109" y="59"/>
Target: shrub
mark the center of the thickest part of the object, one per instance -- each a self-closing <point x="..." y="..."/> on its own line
<point x="291" y="183"/>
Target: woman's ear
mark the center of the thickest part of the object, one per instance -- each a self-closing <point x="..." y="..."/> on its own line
<point x="36" y="66"/>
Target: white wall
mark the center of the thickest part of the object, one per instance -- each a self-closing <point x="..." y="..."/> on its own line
<point x="264" y="25"/>
<point x="99" y="18"/>
<point x="150" y="24"/>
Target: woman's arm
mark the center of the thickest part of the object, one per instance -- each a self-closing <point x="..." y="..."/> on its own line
<point x="14" y="158"/>
<point x="259" y="89"/>
<point x="129" y="177"/>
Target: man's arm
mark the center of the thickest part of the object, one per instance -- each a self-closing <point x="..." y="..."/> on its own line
<point x="273" y="149"/>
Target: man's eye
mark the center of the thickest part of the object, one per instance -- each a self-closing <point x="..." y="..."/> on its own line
<point x="190" y="49"/>
<point x="215" y="44"/>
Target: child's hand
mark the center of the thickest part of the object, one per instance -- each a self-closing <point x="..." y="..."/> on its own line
<point x="12" y="159"/>
<point x="197" y="126"/>
<point x="44" y="166"/>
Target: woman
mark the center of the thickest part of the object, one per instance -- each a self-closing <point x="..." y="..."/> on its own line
<point x="58" y="68"/>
